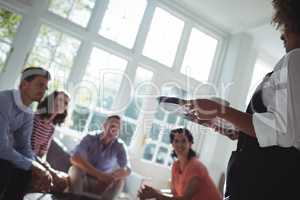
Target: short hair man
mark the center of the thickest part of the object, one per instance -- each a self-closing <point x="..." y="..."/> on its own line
<point x="94" y="162"/>
<point x="17" y="163"/>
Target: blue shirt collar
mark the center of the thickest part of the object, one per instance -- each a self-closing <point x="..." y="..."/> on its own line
<point x="19" y="102"/>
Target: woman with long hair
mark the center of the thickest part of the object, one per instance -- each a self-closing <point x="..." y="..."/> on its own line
<point x="51" y="111"/>
<point x="190" y="178"/>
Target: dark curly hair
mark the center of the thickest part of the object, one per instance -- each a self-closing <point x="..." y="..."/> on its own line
<point x="45" y="106"/>
<point x="190" y="138"/>
<point x="287" y="14"/>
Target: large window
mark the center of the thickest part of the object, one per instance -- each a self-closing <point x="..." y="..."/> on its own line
<point x="54" y="51"/>
<point x="122" y="20"/>
<point x="102" y="44"/>
<point x="9" y="23"/>
<point x="163" y="37"/>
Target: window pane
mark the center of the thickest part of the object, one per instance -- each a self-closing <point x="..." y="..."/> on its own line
<point x="154" y="132"/>
<point x="182" y="122"/>
<point x="97" y="121"/>
<point x="9" y="23"/>
<point x="167" y="28"/>
<point x="162" y="155"/>
<point x="172" y="119"/>
<point x="54" y="51"/>
<point x="105" y="72"/>
<point x="122" y="20"/>
<point x="133" y="111"/>
<point x="166" y="136"/>
<point x="164" y="123"/>
<point x="79" y="117"/>
<point x="127" y="132"/>
<point x="77" y="11"/>
<point x="149" y="151"/>
<point x="4" y="50"/>
<point x="201" y="45"/>
<point x="141" y="87"/>
<point x="160" y="114"/>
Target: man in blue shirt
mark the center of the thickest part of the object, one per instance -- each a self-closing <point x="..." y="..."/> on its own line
<point x="17" y="164"/>
<point x="100" y="162"/>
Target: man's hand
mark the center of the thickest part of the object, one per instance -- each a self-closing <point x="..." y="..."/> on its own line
<point x="119" y="174"/>
<point x="41" y="178"/>
<point x="107" y="179"/>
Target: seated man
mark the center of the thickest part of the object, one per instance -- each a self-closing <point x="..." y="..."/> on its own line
<point x="94" y="162"/>
<point x="17" y="165"/>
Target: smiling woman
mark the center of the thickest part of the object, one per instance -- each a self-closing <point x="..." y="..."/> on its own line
<point x="190" y="178"/>
<point x="51" y="111"/>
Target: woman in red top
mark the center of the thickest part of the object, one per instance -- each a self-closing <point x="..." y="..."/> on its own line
<point x="190" y="178"/>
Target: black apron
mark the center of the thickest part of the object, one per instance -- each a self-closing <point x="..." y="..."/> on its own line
<point x="256" y="173"/>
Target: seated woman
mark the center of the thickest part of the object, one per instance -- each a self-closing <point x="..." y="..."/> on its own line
<point x="51" y="111"/>
<point x="190" y="178"/>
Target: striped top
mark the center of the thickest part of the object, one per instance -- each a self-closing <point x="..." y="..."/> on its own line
<point x="42" y="135"/>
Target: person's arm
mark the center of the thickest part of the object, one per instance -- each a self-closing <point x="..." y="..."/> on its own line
<point x="123" y="162"/>
<point x="241" y="120"/>
<point x="23" y="138"/>
<point x="7" y="152"/>
<point x="206" y="110"/>
<point x="193" y="186"/>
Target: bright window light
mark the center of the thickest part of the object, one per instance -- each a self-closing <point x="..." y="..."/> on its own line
<point x="199" y="56"/>
<point x="55" y="51"/>
<point x="163" y="37"/>
<point x="122" y="20"/>
<point x="261" y="68"/>
<point x="105" y="72"/>
<point x="77" y="11"/>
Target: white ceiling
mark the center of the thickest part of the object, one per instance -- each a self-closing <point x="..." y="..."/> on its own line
<point x="235" y="16"/>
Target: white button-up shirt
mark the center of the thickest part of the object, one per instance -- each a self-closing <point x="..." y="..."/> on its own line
<point x="280" y="125"/>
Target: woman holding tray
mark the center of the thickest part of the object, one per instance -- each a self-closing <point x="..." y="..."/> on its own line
<point x="266" y="164"/>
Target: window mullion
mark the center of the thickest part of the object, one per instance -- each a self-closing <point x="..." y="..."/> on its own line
<point x="144" y="28"/>
<point x="157" y="145"/>
<point x="97" y="16"/>
<point x="79" y="67"/>
<point x="126" y="87"/>
<point x="182" y="46"/>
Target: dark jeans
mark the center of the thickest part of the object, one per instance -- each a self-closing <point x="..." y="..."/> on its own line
<point x="13" y="181"/>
